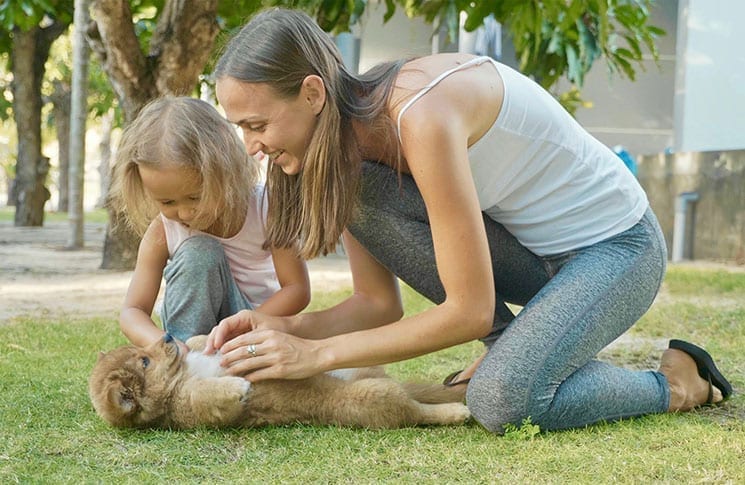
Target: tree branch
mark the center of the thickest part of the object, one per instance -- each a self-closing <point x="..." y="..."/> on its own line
<point x="113" y="38"/>
<point x="182" y="43"/>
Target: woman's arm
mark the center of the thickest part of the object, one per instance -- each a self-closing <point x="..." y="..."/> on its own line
<point x="294" y="294"/>
<point x="436" y="151"/>
<point x="354" y="333"/>
<point x="435" y="147"/>
<point x="135" y="318"/>
<point x="375" y="299"/>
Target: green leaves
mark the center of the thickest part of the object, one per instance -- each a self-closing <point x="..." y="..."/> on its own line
<point x="26" y="14"/>
<point x="556" y="38"/>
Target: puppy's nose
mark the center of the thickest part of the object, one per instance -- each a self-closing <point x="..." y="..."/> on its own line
<point x="167" y="338"/>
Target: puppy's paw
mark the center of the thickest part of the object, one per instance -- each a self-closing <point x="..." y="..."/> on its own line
<point x="456" y="413"/>
<point x="230" y="400"/>
<point x="236" y="389"/>
<point x="196" y="342"/>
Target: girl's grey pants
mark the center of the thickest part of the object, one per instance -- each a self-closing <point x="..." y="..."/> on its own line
<point x="200" y="289"/>
<point x="540" y="364"/>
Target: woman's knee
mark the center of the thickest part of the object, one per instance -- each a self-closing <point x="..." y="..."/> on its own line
<point x="496" y="401"/>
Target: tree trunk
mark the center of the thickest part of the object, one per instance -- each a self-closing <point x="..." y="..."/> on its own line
<point x="61" y="108"/>
<point x="29" y="52"/>
<point x="31" y="171"/>
<point x="178" y="51"/>
<point x="120" y="244"/>
<point x="104" y="151"/>
<point x="11" y="202"/>
<point x="78" y="117"/>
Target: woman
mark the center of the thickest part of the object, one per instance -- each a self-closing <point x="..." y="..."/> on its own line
<point x="477" y="189"/>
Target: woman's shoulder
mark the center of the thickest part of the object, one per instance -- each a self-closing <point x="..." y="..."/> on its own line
<point x="420" y="71"/>
<point x="443" y="87"/>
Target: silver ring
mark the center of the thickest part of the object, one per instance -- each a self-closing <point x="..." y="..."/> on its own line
<point x="251" y="349"/>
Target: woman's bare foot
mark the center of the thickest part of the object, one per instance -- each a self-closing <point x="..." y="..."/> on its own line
<point x="687" y="388"/>
<point x="465" y="375"/>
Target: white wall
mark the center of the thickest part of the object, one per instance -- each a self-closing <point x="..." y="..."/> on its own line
<point x="710" y="79"/>
<point x="691" y="99"/>
<point x="399" y="38"/>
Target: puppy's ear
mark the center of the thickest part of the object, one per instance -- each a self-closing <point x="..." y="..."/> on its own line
<point x="122" y="395"/>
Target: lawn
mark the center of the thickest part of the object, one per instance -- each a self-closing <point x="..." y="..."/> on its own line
<point x="50" y="434"/>
<point x="97" y="215"/>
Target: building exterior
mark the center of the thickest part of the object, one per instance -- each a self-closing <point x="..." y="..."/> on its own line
<point x="681" y="118"/>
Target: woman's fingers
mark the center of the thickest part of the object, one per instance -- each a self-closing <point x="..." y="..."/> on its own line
<point x="268" y="354"/>
<point x="228" y="328"/>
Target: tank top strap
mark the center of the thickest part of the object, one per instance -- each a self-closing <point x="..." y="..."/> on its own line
<point x="473" y="62"/>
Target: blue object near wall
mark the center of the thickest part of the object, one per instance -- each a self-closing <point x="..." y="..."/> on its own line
<point x="627" y="158"/>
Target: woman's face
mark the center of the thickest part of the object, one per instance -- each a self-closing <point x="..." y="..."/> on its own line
<point x="278" y="127"/>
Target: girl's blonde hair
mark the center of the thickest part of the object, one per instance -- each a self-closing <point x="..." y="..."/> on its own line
<point x="281" y="48"/>
<point x="185" y="132"/>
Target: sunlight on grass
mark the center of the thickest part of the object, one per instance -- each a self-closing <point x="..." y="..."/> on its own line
<point x="682" y="281"/>
<point x="95" y="216"/>
<point x="49" y="432"/>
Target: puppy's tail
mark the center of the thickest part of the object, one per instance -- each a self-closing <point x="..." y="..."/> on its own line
<point x="434" y="393"/>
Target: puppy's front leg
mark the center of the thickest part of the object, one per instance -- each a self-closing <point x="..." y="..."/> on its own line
<point x="196" y="342"/>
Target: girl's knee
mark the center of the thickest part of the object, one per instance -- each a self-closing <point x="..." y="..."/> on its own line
<point x="200" y="251"/>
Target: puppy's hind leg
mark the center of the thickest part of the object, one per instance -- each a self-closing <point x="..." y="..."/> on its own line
<point x="384" y="403"/>
<point x="442" y="414"/>
<point x="434" y="393"/>
<point x="215" y="402"/>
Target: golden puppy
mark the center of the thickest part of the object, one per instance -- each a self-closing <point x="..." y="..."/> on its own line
<point x="157" y="387"/>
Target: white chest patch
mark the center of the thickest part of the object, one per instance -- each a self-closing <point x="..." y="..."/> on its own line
<point x="201" y="365"/>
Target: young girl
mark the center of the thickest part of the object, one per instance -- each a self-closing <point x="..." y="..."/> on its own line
<point x="184" y="181"/>
<point x="470" y="182"/>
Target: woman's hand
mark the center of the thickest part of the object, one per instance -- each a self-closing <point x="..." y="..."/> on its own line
<point x="271" y="354"/>
<point x="240" y="323"/>
<point x="276" y="354"/>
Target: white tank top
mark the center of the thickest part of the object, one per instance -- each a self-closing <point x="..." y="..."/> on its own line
<point x="541" y="175"/>
<point x="251" y="266"/>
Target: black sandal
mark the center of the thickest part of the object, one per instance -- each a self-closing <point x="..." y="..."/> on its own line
<point x="450" y="379"/>
<point x="706" y="368"/>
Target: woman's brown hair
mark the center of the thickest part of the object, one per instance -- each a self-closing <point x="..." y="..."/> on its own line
<point x="281" y="48"/>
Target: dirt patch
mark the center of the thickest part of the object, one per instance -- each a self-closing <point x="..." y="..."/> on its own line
<point x="38" y="276"/>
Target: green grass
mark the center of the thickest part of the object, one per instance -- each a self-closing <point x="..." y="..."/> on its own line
<point x="49" y="432"/>
<point x="94" y="216"/>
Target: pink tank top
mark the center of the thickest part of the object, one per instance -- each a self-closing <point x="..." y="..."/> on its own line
<point x="252" y="266"/>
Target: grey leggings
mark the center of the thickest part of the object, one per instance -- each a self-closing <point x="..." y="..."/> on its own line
<point x="541" y="363"/>
<point x="200" y="289"/>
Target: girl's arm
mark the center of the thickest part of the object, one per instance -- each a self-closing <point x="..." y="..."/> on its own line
<point x="294" y="294"/>
<point x="135" y="318"/>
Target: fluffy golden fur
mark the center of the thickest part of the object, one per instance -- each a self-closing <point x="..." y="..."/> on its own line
<point x="157" y="387"/>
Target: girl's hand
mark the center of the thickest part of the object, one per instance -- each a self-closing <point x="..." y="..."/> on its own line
<point x="271" y="354"/>
<point x="240" y="323"/>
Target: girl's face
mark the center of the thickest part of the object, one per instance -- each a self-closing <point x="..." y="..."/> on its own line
<point x="280" y="128"/>
<point x="176" y="190"/>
